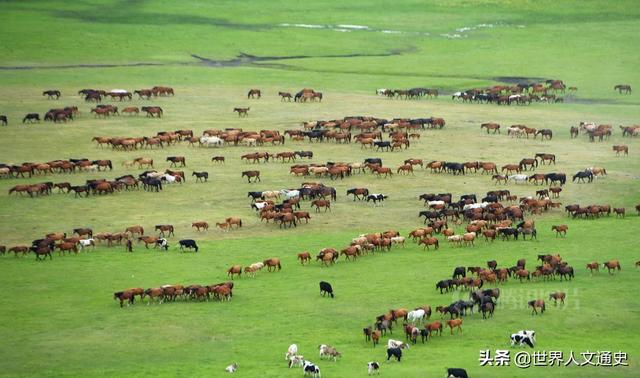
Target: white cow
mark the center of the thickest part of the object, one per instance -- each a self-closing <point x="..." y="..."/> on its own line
<point x="292" y="351"/>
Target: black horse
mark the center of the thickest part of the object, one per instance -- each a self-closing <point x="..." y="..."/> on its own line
<point x="303" y="154"/>
<point x="552" y="178"/>
<point x="3" y="119"/>
<point x="581" y="176"/>
<point x="52" y="93"/>
<point x="315" y="134"/>
<point x="459" y="271"/>
<point x="455" y="168"/>
<point x="189" y="244"/>
<point x="201" y="175"/>
<point x="373" y="161"/>
<point x="151" y="184"/>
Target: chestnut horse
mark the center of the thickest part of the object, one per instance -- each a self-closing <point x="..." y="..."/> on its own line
<point x="535" y="304"/>
<point x="304" y="257"/>
<point x="254" y="93"/>
<point x="236" y="269"/>
<point x="252" y="174"/>
<point x="200" y="225"/>
<point x="273" y="262"/>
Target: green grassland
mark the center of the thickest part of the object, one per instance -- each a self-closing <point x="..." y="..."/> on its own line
<point x="57" y="317"/>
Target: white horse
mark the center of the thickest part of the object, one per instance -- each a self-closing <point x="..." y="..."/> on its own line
<point x="211" y="141"/>
<point x="515" y="132"/>
<point x="519" y="178"/>
<point x="416" y="316"/>
<point x="170" y="179"/>
<point x="458" y="95"/>
<point x="119" y="91"/>
<point x="381" y="92"/>
<point x="435" y="203"/>
<point x="290" y="193"/>
<point x="472" y="206"/>
<point x="86" y="243"/>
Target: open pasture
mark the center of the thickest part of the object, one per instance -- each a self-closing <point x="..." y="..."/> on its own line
<point x="59" y="317"/>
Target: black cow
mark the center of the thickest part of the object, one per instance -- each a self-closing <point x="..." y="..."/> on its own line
<point x="456" y="373"/>
<point x="188" y="243"/>
<point x="373" y="161"/>
<point x="384" y="145"/>
<point x="459" y="271"/>
<point x="394" y="352"/>
<point x="325" y="288"/>
<point x="31" y="117"/>
<point x="376" y="198"/>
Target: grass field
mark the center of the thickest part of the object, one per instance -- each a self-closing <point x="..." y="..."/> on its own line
<point x="58" y="317"/>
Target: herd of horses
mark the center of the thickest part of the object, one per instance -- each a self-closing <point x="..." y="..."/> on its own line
<point x="408" y="94"/>
<point x="172" y="293"/>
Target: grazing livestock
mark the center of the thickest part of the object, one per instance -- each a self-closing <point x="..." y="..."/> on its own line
<point x="200" y="225"/>
<point x="311" y="370"/>
<point x="327" y="350"/>
<point x="231" y="368"/>
<point x="304" y="257"/>
<point x="394" y="352"/>
<point x="612" y="265"/>
<point x="621" y="148"/>
<point x="455" y="323"/>
<point x="376" y="198"/>
<point x="558" y="295"/>
<point x="523" y="337"/>
<point x="456" y="373"/>
<point x="560" y="230"/>
<point x="252" y="174"/>
<point x="535" y="304"/>
<point x="189" y="244"/>
<point x="325" y="288"/>
<point x="373" y="368"/>
<point x="236" y="269"/>
<point x="292" y="351"/>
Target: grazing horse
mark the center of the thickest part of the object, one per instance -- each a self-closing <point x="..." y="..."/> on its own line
<point x="626" y="88"/>
<point x="242" y="112"/>
<point x="612" y="265"/>
<point x="304" y="257"/>
<point x="621" y="148"/>
<point x="31" y="117"/>
<point x="593" y="266"/>
<point x="165" y="228"/>
<point x="272" y="263"/>
<point x="581" y="176"/>
<point x="200" y="225"/>
<point x="491" y="126"/>
<point x="252" y="174"/>
<point x="535" y="304"/>
<point x="124" y="296"/>
<point x="558" y="295"/>
<point x="254" y="93"/>
<point x="235" y="269"/>
<point x="560" y="230"/>
<point x="620" y="211"/>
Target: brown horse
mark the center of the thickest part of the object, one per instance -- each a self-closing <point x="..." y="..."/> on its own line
<point x="558" y="295"/>
<point x="152" y="111"/>
<point x="626" y="88"/>
<point x="285" y="95"/>
<point x="535" y="304"/>
<point x="304" y="257"/>
<point x="455" y="323"/>
<point x="491" y="126"/>
<point x="135" y="230"/>
<point x="254" y="93"/>
<point x="434" y="327"/>
<point x="321" y="203"/>
<point x="19" y="249"/>
<point x="429" y="241"/>
<point x="252" y="174"/>
<point x="560" y="230"/>
<point x="177" y="159"/>
<point x="593" y="266"/>
<point x="236" y="269"/>
<point x="200" y="225"/>
<point x="620" y="211"/>
<point x="612" y="265"/>
<point x="621" y="148"/>
<point x="165" y="228"/>
<point x="218" y="159"/>
<point x="242" y="112"/>
<point x="272" y="263"/>
<point x="234" y="221"/>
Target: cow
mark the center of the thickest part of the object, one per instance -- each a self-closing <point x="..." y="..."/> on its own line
<point x="523" y="337"/>
<point x="231" y="368"/>
<point x="188" y="243"/>
<point x="311" y="369"/>
<point x="163" y="244"/>
<point x="376" y="198"/>
<point x="456" y="373"/>
<point x="292" y="351"/>
<point x="373" y="367"/>
<point x="394" y="352"/>
<point x="325" y="288"/>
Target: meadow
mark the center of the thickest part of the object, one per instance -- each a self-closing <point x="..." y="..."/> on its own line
<point x="58" y="317"/>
